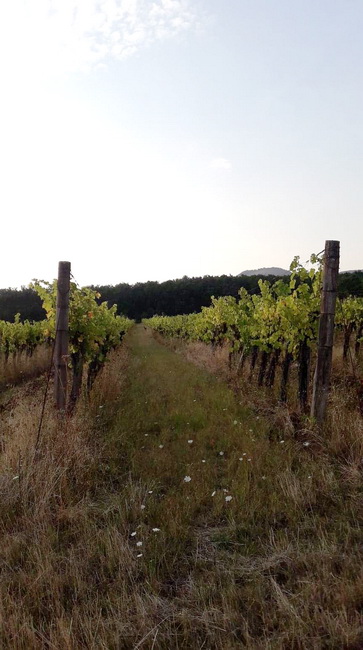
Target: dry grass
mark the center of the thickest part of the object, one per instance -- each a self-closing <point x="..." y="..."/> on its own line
<point x="276" y="567"/>
<point x="21" y="366"/>
<point x="50" y="531"/>
<point x="212" y="359"/>
<point x="346" y="376"/>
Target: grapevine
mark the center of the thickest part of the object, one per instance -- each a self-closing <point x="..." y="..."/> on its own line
<point x="94" y="330"/>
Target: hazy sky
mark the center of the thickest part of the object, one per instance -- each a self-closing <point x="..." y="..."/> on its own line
<point x="151" y="139"/>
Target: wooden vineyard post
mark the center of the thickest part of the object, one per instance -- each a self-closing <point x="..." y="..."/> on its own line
<point x="326" y="331"/>
<point x="61" y="342"/>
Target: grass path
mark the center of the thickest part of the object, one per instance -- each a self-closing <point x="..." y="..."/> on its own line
<point x="168" y="403"/>
<point x="181" y="433"/>
<point x="184" y="453"/>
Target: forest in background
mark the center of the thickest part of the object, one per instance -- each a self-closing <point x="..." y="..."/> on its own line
<point x="146" y="299"/>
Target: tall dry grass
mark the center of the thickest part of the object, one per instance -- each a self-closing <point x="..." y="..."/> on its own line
<point x="52" y="542"/>
<point x="20" y="366"/>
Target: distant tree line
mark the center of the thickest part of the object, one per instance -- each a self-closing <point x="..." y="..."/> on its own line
<point x="20" y="301"/>
<point x="145" y="299"/>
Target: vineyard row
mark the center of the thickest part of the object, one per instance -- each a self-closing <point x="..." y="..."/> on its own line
<point x="94" y="330"/>
<point x="279" y="326"/>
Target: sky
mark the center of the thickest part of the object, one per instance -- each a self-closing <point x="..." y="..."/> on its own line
<point x="152" y="139"/>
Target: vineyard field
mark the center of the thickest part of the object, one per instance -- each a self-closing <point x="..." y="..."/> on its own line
<point x="182" y="499"/>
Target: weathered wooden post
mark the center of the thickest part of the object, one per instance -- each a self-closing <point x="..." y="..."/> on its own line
<point x="61" y="342"/>
<point x="326" y="331"/>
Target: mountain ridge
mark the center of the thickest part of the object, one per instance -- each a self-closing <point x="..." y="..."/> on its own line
<point x="266" y="270"/>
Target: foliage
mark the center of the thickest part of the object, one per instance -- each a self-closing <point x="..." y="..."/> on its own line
<point x="21" y="337"/>
<point x="280" y="317"/>
<point x="350" y="313"/>
<point x="94" y="329"/>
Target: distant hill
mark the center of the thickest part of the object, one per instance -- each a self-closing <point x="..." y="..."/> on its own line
<point x="272" y="270"/>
